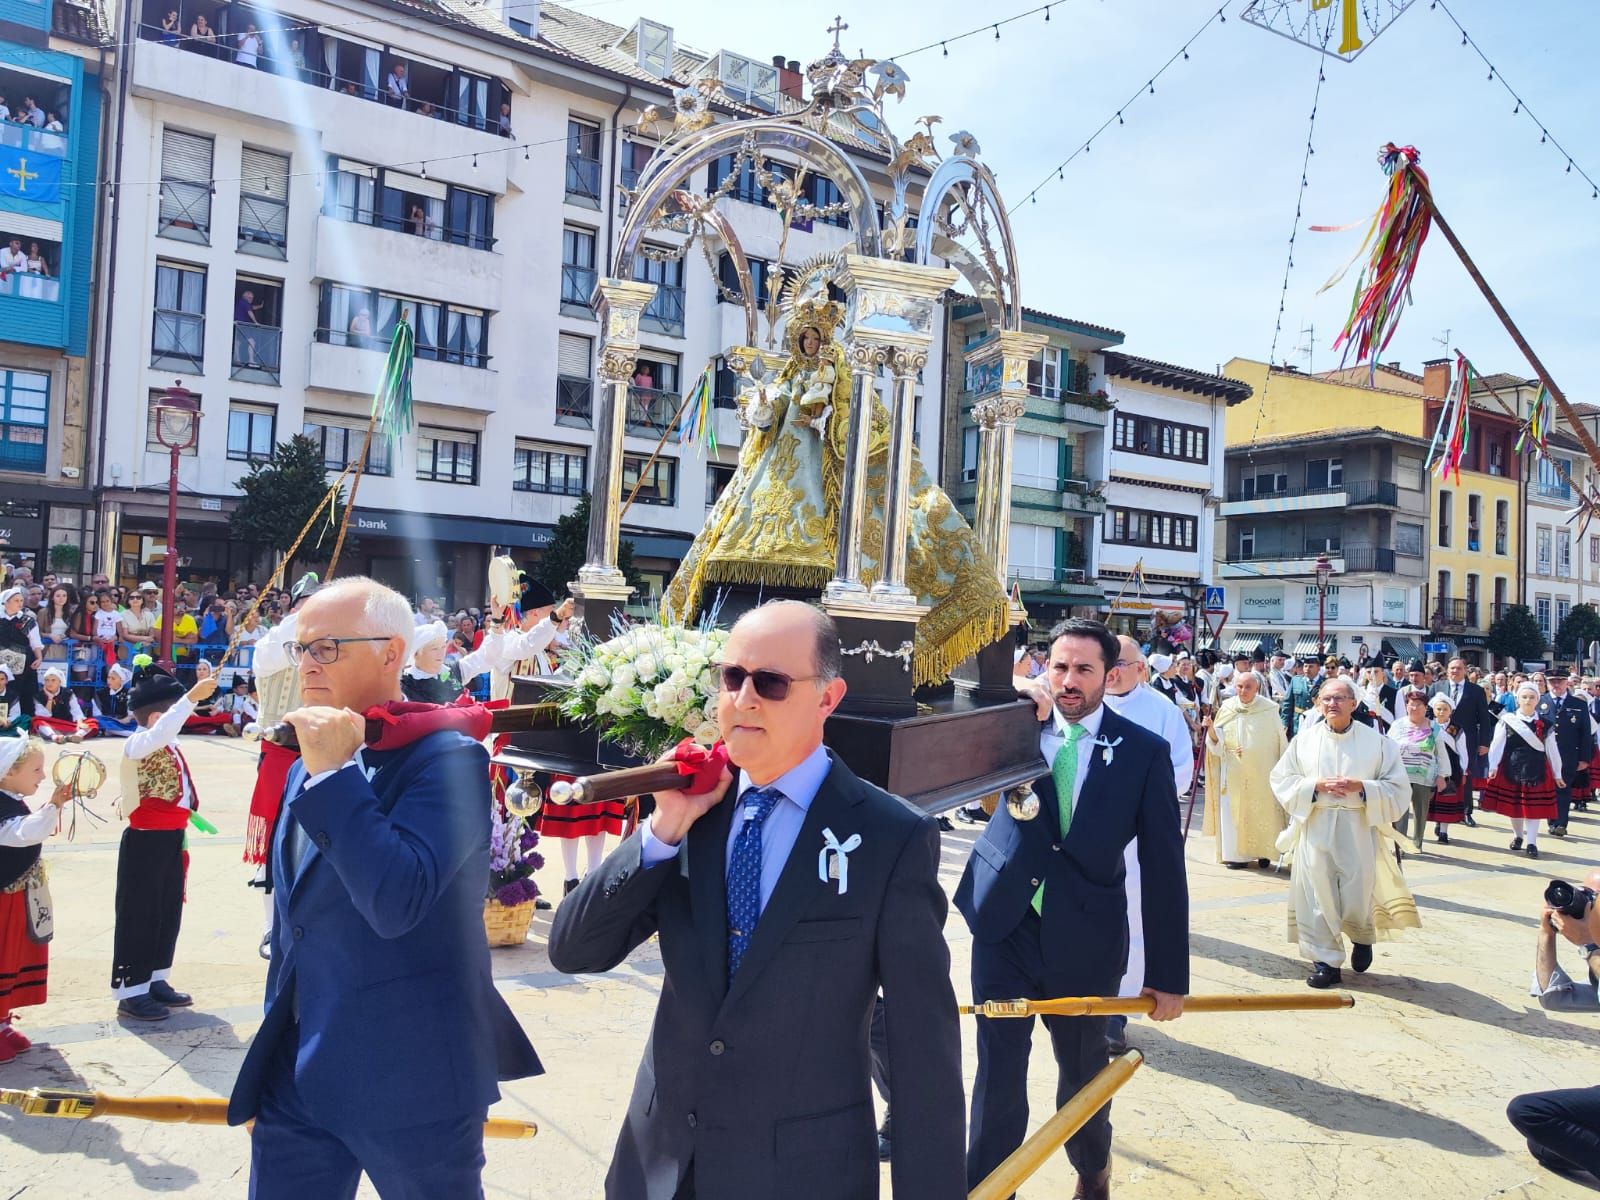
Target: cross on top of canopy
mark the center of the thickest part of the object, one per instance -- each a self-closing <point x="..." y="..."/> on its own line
<point x="959" y="216"/>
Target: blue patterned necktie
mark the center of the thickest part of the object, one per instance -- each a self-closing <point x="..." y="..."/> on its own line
<point x="744" y="874"/>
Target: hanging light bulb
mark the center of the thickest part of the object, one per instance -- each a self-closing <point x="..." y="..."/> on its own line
<point x="997" y="33"/>
<point x="474" y="162"/>
<point x="1120" y="121"/>
<point x="946" y="50"/>
<point x="1152" y="87"/>
<point x="1046" y="12"/>
<point x="1186" y="54"/>
<point x="1517" y="109"/>
<point x="424" y="170"/>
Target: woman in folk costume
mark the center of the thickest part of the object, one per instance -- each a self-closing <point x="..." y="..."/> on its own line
<point x="206" y="717"/>
<point x="158" y="797"/>
<point x="24" y="942"/>
<point x="1450" y="801"/>
<point x="1243" y="743"/>
<point x="777" y="522"/>
<point x="428" y="677"/>
<point x="12" y="722"/>
<point x="58" y="715"/>
<point x="1422" y="750"/>
<point x="21" y="647"/>
<point x="111" y="711"/>
<point x="1524" y="767"/>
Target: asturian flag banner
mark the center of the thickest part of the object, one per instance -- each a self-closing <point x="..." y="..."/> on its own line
<point x="29" y="175"/>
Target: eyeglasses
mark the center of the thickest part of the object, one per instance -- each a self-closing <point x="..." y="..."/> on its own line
<point x="323" y="650"/>
<point x="769" y="685"/>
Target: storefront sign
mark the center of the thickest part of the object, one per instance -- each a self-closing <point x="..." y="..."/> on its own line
<point x="26" y="533"/>
<point x="429" y="527"/>
<point x="1260" y="604"/>
<point x="1395" y="607"/>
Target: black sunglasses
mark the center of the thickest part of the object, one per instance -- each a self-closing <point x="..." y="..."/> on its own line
<point x="769" y="685"/>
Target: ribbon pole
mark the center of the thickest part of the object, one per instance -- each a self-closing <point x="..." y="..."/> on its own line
<point x="1110" y="1006"/>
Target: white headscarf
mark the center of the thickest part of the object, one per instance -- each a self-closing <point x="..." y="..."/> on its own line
<point x="426" y="635"/>
<point x="12" y="750"/>
<point x="117" y="669"/>
<point x="57" y="672"/>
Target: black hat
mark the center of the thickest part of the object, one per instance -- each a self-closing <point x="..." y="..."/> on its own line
<point x="242" y="680"/>
<point x="1418" y="665"/>
<point x="535" y="594"/>
<point x="308" y="584"/>
<point x="153" y="688"/>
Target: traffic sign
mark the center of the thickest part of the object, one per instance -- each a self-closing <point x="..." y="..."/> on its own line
<point x="1214" y="600"/>
<point x="1436" y="647"/>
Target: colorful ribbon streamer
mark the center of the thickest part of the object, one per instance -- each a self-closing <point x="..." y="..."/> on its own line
<point x="699" y="425"/>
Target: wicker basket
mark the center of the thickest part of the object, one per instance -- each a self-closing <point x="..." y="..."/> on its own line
<point x="991" y="802"/>
<point x="507" y="925"/>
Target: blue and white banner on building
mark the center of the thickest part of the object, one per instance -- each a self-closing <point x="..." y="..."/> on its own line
<point x="28" y="175"/>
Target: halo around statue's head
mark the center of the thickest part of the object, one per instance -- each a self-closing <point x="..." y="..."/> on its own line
<point x="822" y="315"/>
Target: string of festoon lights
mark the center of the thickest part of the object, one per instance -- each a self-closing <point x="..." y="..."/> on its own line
<point x="1294" y="234"/>
<point x="1118" y="117"/>
<point x="1520" y="106"/>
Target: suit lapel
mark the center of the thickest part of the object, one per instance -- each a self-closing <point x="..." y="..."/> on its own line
<point x="798" y="880"/>
<point x="708" y="889"/>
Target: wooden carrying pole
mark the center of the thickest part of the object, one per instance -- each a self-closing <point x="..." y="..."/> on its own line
<point x="173" y="1110"/>
<point x="1109" y="1006"/>
<point x="1556" y="394"/>
<point x="1027" y="1158"/>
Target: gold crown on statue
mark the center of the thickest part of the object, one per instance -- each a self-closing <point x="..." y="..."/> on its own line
<point x="822" y="315"/>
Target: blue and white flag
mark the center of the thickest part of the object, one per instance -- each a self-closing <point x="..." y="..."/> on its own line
<point x="29" y="175"/>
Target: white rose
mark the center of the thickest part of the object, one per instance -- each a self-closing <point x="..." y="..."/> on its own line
<point x="673" y="662"/>
<point x="707" y="733"/>
<point x="622" y="700"/>
<point x="594" y="676"/>
<point x="623" y="677"/>
<point x="693" y="718"/>
<point x="646" y="666"/>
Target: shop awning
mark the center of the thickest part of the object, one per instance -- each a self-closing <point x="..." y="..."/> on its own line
<point x="1248" y="643"/>
<point x="1305" y="646"/>
<point x="1403" y="647"/>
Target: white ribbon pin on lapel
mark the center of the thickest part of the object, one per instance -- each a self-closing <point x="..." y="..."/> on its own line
<point x="838" y="867"/>
<point x="1110" y="749"/>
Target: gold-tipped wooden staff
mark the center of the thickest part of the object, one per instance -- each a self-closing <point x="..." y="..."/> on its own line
<point x="1113" y="1006"/>
<point x="172" y="1110"/>
<point x="1027" y="1158"/>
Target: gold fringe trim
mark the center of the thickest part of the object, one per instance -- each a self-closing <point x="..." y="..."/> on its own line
<point x="935" y="660"/>
<point x="756" y="573"/>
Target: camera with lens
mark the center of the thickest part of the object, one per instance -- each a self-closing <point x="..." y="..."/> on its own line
<point x="1570" y="901"/>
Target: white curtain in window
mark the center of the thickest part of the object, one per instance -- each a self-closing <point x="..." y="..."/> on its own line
<point x="434" y="210"/>
<point x="428" y="325"/>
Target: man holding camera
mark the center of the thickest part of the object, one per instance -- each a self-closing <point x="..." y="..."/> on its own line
<point x="1563" y="1127"/>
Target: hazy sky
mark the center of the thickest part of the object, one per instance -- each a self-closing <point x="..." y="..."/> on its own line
<point x="1174" y="228"/>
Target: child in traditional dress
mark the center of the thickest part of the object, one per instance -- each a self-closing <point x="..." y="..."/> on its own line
<point x="111" y="703"/>
<point x="158" y="796"/>
<point x="1450" y="802"/>
<point x="1524" y="765"/>
<point x="207" y="717"/>
<point x="428" y="678"/>
<point x="58" y="714"/>
<point x="239" y="706"/>
<point x="12" y="719"/>
<point x="24" y="961"/>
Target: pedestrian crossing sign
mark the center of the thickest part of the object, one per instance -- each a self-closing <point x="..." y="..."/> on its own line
<point x="1214" y="599"/>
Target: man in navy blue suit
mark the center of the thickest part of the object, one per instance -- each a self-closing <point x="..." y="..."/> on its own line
<point x="1046" y="903"/>
<point x="384" y="1037"/>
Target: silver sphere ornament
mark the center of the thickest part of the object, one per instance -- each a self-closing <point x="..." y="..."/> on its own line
<point x="524" y="799"/>
<point x="1022" y="804"/>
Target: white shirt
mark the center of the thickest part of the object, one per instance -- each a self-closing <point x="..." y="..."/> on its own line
<point x="500" y="651"/>
<point x="13" y="260"/>
<point x="31" y="829"/>
<point x="1054" y="735"/>
<point x="106" y="624"/>
<point x="1497" y="747"/>
<point x="1147" y="708"/>
<point x="249" y="47"/>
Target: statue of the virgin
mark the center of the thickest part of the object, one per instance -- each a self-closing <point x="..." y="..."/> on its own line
<point x="777" y="521"/>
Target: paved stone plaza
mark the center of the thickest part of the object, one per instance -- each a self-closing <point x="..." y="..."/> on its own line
<point x="1402" y="1097"/>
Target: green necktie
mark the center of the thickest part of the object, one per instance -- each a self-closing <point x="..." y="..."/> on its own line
<point x="1064" y="770"/>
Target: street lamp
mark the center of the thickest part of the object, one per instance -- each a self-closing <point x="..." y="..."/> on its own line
<point x="177" y="416"/>
<point x="1324" y="569"/>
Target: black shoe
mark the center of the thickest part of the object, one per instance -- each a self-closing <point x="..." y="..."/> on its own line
<point x="143" y="1008"/>
<point x="1557" y="831"/>
<point x="1325" y="976"/>
<point x="569" y="887"/>
<point x="978" y="815"/>
<point x="1263" y="862"/>
<point x="1581" y="805"/>
<point x="1533" y="851"/>
<point x="884" y="1142"/>
<point x="945" y="826"/>
<point x="1116" y="1035"/>
<point x="1360" y="956"/>
<point x="163" y="992"/>
<point x="540" y="904"/>
<point x="1469" y="822"/>
<point x="1516" y="843"/>
<point x="1440" y="836"/>
<point x="1235" y="866"/>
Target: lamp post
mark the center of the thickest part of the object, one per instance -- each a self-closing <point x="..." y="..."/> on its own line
<point x="177" y="416"/>
<point x="1324" y="569"/>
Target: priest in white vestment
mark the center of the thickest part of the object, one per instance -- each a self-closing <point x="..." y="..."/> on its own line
<point x="1343" y="786"/>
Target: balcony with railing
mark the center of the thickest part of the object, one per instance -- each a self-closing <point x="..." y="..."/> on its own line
<point x="185" y="211"/>
<point x="651" y="410"/>
<point x="257" y="353"/>
<point x="25" y="285"/>
<point x="664" y="313"/>
<point x="1075" y="584"/>
<point x="264" y="226"/>
<point x="1454" y="613"/>
<point x="178" y="341"/>
<point x="1369" y="558"/>
<point x="1372" y="491"/>
<point x="583" y="180"/>
<point x="574" y="402"/>
<point x="1349" y="494"/>
<point x="577" y="288"/>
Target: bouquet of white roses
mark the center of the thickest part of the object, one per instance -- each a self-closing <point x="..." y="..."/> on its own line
<point x="647" y="688"/>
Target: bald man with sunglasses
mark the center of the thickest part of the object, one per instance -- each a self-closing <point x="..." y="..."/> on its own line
<point x="783" y="904"/>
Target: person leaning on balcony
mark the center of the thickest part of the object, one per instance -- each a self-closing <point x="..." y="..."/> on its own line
<point x="12" y="258"/>
<point x="203" y="36"/>
<point x="171" y="29"/>
<point x="397" y="87"/>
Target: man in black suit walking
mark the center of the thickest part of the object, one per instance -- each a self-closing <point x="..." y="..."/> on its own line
<point x="1046" y="903"/>
<point x="1471" y="716"/>
<point x="782" y="907"/>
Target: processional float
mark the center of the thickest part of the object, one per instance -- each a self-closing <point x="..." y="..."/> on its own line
<point x="941" y="223"/>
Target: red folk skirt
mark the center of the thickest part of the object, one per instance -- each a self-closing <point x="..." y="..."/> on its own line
<point x="24" y="963"/>
<point x="66" y="728"/>
<point x="1449" y="807"/>
<point x="209" y="723"/>
<point x="581" y="820"/>
<point x="1526" y="800"/>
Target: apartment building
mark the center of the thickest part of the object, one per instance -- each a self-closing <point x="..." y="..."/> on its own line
<point x="351" y="162"/>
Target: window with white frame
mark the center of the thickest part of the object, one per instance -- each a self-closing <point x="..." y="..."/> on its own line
<point x="1563" y="553"/>
<point x="1324" y="473"/>
<point x="251" y="428"/>
<point x="1563" y="607"/>
<point x="1036" y="462"/>
<point x="1032" y="552"/>
<point x="552" y="469"/>
<point x="1044" y="373"/>
<point x="969" y="455"/>
<point x="1543" y="543"/>
<point x="1541" y="614"/>
<point x="340" y="438"/>
<point x="447" y="455"/>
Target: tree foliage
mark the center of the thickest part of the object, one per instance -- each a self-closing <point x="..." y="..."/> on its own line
<point x="1581" y="624"/>
<point x="568" y="548"/>
<point x="1515" y="633"/>
<point x="279" y="496"/>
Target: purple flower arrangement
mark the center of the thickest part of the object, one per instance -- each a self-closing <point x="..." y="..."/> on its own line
<point x="513" y="857"/>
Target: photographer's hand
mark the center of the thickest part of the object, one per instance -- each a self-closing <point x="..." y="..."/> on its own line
<point x="1544" y="958"/>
